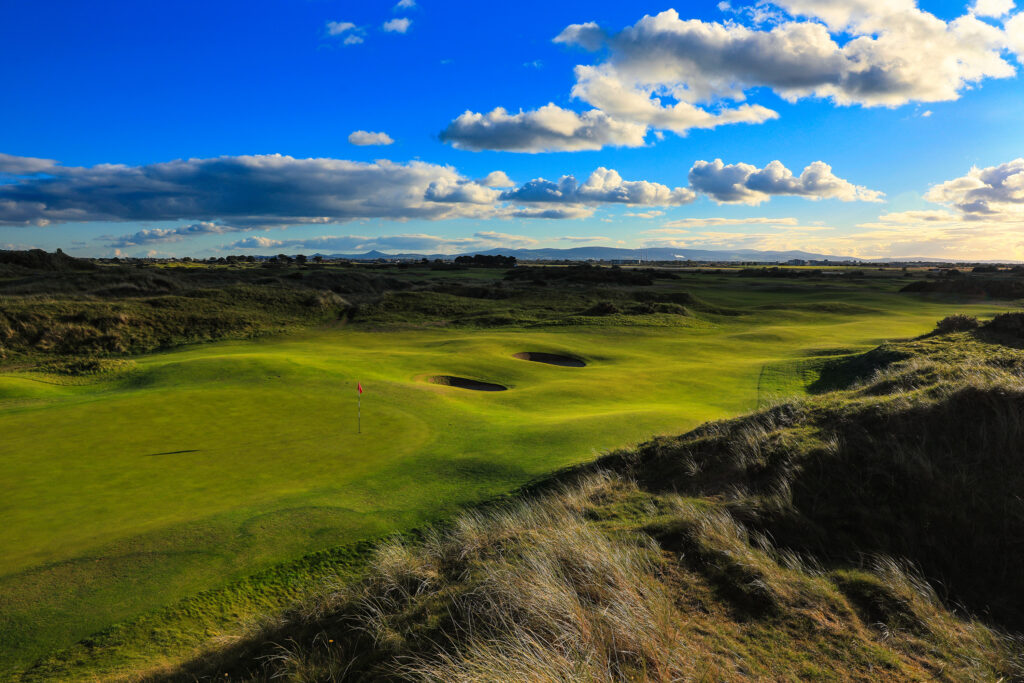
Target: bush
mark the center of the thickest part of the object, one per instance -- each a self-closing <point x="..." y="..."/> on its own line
<point x="1008" y="323"/>
<point x="956" y="323"/>
<point x="602" y="308"/>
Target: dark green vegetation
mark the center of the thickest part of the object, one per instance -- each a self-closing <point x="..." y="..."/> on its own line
<point x="826" y="538"/>
<point x="158" y="495"/>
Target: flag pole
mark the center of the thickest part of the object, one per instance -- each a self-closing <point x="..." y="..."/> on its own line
<point x="359" y="410"/>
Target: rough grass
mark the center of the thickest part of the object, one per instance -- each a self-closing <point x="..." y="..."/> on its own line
<point x="921" y="460"/>
<point x="603" y="581"/>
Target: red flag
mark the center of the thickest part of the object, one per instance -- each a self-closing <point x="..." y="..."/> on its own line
<point x="359" y="387"/>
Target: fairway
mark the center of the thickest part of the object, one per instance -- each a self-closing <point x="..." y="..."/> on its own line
<point x="203" y="465"/>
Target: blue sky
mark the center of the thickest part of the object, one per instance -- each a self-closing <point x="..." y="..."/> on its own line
<point x="907" y="117"/>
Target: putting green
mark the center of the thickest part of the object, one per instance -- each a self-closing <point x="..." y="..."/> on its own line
<point x="205" y="464"/>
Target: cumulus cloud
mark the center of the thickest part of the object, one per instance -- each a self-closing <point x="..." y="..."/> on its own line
<point x="605" y="89"/>
<point x="404" y="4"/>
<point x="550" y="128"/>
<point x="995" y="193"/>
<point x="1015" y="34"/>
<point x="558" y="213"/>
<point x="246" y="193"/>
<point x="364" y="138"/>
<point x="244" y="190"/>
<point x="604" y="186"/>
<point x="174" y="234"/>
<point x="666" y="72"/>
<point x="398" y="25"/>
<point x="497" y="179"/>
<point x="992" y="8"/>
<point x="891" y="53"/>
<point x="746" y="184"/>
<point x="461" y="191"/>
<point x="12" y="165"/>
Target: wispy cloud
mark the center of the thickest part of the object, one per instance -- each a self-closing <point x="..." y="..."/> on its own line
<point x="350" y="33"/>
<point x="416" y="242"/>
<point x="398" y="25"/>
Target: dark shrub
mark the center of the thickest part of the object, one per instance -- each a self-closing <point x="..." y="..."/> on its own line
<point x="602" y="308"/>
<point x="957" y="323"/>
<point x="1008" y="323"/>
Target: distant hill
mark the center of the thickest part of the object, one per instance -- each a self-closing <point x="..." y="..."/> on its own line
<point x="616" y="254"/>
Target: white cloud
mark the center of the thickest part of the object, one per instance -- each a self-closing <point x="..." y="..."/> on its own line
<point x="992" y="8"/>
<point x="461" y="191"/>
<point x="581" y="238"/>
<point x="894" y="53"/>
<point x="175" y="234"/>
<point x="353" y="39"/>
<point x="568" y="212"/>
<point x="746" y="184"/>
<point x="497" y="179"/>
<point x="549" y="128"/>
<point x="243" y="191"/>
<point x="404" y="4"/>
<point x="670" y="73"/>
<point x="1015" y="34"/>
<point x="398" y="25"/>
<point x="604" y="186"/>
<point x="364" y="138"/>
<point x="336" y="28"/>
<point x="256" y="242"/>
<point x="707" y="222"/>
<point x="12" y="165"/>
<point x="644" y="214"/>
<point x="603" y="88"/>
<point x="589" y="36"/>
<point x="992" y="194"/>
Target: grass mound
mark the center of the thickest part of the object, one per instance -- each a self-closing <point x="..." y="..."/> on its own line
<point x="971" y="285"/>
<point x="920" y="461"/>
<point x="604" y="581"/>
<point x="847" y="536"/>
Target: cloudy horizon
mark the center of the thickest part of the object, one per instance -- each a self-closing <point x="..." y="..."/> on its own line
<point x="866" y="128"/>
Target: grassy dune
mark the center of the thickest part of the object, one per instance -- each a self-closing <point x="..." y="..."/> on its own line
<point x="804" y="541"/>
<point x="190" y="470"/>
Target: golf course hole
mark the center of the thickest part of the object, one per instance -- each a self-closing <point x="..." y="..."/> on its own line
<point x="465" y="383"/>
<point x="551" y="359"/>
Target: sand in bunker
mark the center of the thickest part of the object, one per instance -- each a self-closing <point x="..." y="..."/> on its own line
<point x="465" y="383"/>
<point x="550" y="359"/>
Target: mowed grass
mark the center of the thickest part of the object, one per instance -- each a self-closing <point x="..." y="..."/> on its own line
<point x="204" y="465"/>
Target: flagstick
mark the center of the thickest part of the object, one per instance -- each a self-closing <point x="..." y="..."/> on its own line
<point x="359" y="413"/>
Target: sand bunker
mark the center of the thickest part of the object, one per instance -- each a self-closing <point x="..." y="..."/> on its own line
<point x="551" y="359"/>
<point x="465" y="383"/>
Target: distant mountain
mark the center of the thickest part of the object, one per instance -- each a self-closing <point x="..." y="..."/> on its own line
<point x="615" y="254"/>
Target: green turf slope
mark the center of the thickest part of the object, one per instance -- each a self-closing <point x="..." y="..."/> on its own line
<point x="201" y="466"/>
